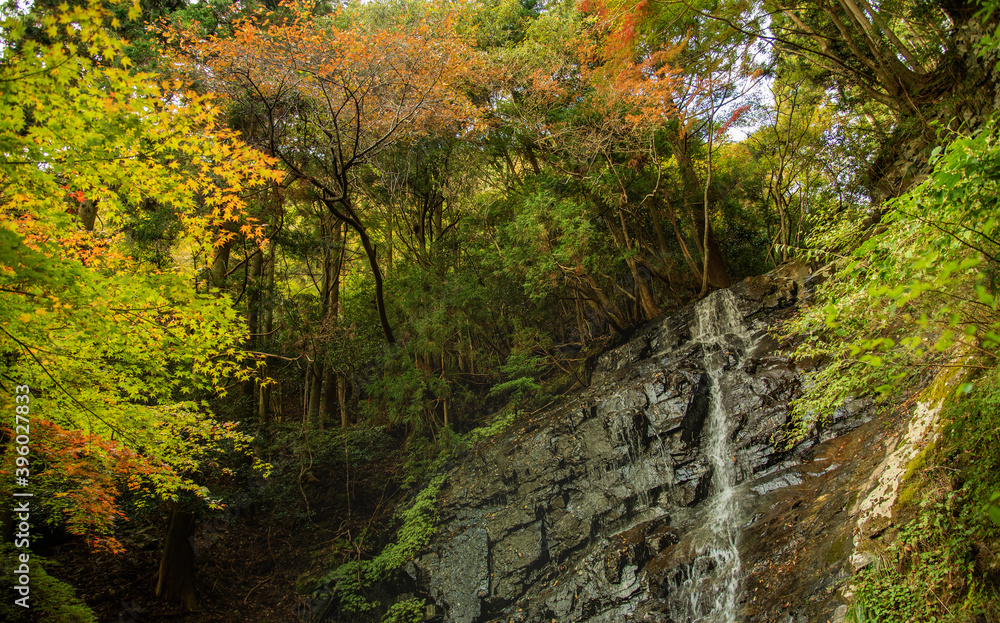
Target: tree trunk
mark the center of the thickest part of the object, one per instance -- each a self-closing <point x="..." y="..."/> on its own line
<point x="717" y="274"/>
<point x="646" y="297"/>
<point x="694" y="192"/>
<point x="529" y="151"/>
<point x="342" y="399"/>
<point x="706" y="250"/>
<point x="315" y="391"/>
<point x="254" y="299"/>
<point x="371" y="253"/>
<point x="268" y="322"/>
<point x="692" y="265"/>
<point x="603" y="305"/>
<point x="220" y="264"/>
<point x="87" y="213"/>
<point x="656" y="216"/>
<point x="176" y="577"/>
<point x="264" y="398"/>
<point x="327" y="400"/>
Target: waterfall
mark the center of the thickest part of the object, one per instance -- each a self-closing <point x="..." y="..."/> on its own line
<point x="707" y="591"/>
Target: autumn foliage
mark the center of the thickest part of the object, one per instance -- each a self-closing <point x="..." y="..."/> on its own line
<point x="115" y="351"/>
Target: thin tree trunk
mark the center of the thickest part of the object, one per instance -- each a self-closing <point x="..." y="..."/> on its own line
<point x="708" y="185"/>
<point x="306" y="387"/>
<point x="371" y="253"/>
<point x="327" y="400"/>
<point x="269" y="292"/>
<point x="263" y="399"/>
<point x="694" y="192"/>
<point x="656" y="216"/>
<point x="342" y="399"/>
<point x="254" y="298"/>
<point x="647" y="300"/>
<point x="268" y="322"/>
<point x="315" y="391"/>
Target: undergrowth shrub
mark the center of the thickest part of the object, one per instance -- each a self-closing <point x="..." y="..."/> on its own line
<point x="353" y="580"/>
<point x="912" y="285"/>
<point x="906" y="287"/>
<point x="407" y="611"/>
<point x="50" y="599"/>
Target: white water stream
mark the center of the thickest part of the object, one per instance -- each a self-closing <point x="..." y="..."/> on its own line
<point x="708" y="593"/>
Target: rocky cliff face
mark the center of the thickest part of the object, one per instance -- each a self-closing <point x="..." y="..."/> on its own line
<point x="659" y="494"/>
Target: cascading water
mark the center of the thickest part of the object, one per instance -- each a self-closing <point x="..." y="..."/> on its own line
<point x="708" y="591"/>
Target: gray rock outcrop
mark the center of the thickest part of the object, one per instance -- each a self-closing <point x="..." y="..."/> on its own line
<point x="613" y="506"/>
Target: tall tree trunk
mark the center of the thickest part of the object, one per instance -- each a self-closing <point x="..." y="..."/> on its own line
<point x="342" y="399"/>
<point x="692" y="265"/>
<point x="327" y="399"/>
<point x="646" y="298"/>
<point x="383" y="317"/>
<point x="350" y="218"/>
<point x="694" y="192"/>
<point x="656" y="216"/>
<point x="255" y="280"/>
<point x="263" y="399"/>
<point x="268" y="309"/>
<point x="254" y="297"/>
<point x="176" y="577"/>
<point x="220" y="264"/>
<point x="707" y="251"/>
<point x="315" y="391"/>
<point x="306" y="387"/>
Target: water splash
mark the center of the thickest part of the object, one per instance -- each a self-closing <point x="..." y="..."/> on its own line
<point x="707" y="591"/>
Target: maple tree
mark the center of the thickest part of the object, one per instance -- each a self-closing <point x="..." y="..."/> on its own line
<point x="327" y="93"/>
<point x="572" y="115"/>
<point x="598" y="106"/>
<point x="118" y="353"/>
<point x="716" y="58"/>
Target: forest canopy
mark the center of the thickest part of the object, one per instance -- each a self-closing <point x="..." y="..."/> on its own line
<point x="228" y="229"/>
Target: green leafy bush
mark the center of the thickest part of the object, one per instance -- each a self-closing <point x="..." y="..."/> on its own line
<point x="354" y="578"/>
<point x="913" y="285"/>
<point x="500" y="423"/>
<point x="921" y="278"/>
<point x="523" y="369"/>
<point x="408" y="611"/>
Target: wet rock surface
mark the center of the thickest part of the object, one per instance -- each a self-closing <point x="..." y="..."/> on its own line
<point x="594" y="511"/>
